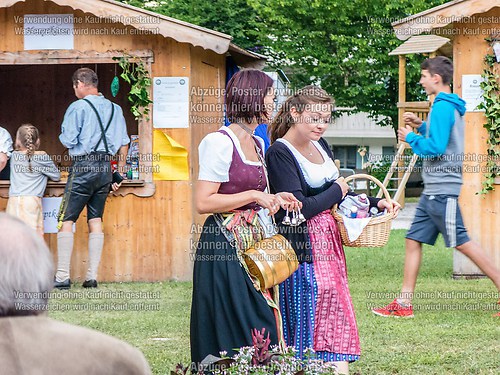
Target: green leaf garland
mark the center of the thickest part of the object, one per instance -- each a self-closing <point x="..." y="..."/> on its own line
<point x="491" y="105"/>
<point x="134" y="72"/>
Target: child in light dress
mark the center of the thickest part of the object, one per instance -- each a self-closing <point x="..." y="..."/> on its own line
<point x="30" y="170"/>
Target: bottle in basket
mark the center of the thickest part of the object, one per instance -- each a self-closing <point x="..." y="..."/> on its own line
<point x="373" y="211"/>
<point x="376" y="232"/>
<point x="354" y="212"/>
<point x="364" y="206"/>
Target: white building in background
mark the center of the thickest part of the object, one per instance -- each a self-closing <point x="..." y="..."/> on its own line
<point x="281" y="83"/>
<point x="348" y="133"/>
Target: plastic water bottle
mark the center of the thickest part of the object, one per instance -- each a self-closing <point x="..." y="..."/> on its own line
<point x="135" y="169"/>
<point x="364" y="206"/>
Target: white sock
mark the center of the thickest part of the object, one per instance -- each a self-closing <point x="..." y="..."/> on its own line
<point x="64" y="250"/>
<point x="404" y="303"/>
<point x="96" y="242"/>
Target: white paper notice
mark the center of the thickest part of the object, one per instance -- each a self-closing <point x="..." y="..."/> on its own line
<point x="50" y="207"/>
<point x="472" y="92"/>
<point x="171" y="102"/>
<point x="496" y="49"/>
<point x="48" y="31"/>
<point x="50" y="212"/>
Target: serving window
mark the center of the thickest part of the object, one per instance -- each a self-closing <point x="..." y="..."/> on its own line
<point x="37" y="89"/>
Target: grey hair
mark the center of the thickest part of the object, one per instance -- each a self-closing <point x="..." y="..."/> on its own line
<point x="85" y="75"/>
<point x="26" y="269"/>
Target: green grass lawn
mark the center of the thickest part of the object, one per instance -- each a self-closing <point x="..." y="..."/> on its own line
<point x="453" y="331"/>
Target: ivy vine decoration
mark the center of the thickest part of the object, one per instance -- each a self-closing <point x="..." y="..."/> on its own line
<point x="491" y="105"/>
<point x="134" y="72"/>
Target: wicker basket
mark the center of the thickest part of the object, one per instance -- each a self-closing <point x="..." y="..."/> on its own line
<point x="377" y="231"/>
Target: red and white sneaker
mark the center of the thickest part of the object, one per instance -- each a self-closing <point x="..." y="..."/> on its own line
<point x="396" y="310"/>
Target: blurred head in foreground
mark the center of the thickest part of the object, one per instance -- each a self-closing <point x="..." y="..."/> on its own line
<point x="26" y="269"/>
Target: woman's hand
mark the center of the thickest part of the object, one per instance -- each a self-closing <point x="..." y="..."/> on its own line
<point x="273" y="202"/>
<point x="288" y="201"/>
<point x="343" y="185"/>
<point x="384" y="204"/>
<point x="269" y="201"/>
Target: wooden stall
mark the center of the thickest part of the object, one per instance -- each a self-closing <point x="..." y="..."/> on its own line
<point x="150" y="225"/>
<point x="467" y="23"/>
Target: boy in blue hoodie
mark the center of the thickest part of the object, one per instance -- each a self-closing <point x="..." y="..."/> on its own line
<point x="441" y="146"/>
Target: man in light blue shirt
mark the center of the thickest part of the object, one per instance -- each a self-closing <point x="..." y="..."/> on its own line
<point x="5" y="148"/>
<point x="93" y="130"/>
<point x="80" y="130"/>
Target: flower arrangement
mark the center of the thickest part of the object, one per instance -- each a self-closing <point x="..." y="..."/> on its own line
<point x="261" y="359"/>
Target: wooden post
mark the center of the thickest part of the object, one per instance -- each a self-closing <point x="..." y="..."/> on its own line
<point x="432" y="97"/>
<point x="401" y="110"/>
<point x="402" y="78"/>
<point x="481" y="213"/>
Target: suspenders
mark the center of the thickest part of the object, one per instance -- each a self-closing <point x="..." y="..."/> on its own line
<point x="69" y="186"/>
<point x="103" y="131"/>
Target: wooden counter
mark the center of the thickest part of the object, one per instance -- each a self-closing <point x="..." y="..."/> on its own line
<point x="56" y="189"/>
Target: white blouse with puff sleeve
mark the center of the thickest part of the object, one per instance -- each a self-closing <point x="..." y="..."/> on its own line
<point x="215" y="154"/>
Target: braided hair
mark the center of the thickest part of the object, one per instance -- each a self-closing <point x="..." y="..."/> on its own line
<point x="28" y="137"/>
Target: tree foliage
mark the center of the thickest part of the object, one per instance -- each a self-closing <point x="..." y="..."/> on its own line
<point x="344" y="46"/>
<point x="341" y="45"/>
<point x="233" y="17"/>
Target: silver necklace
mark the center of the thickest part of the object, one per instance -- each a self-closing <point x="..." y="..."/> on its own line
<point x="310" y="153"/>
<point x="246" y="128"/>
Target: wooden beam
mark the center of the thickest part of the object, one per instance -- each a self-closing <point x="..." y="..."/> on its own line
<point x="440" y="16"/>
<point x="110" y="11"/>
<point x="70" y="57"/>
<point x="419" y="105"/>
